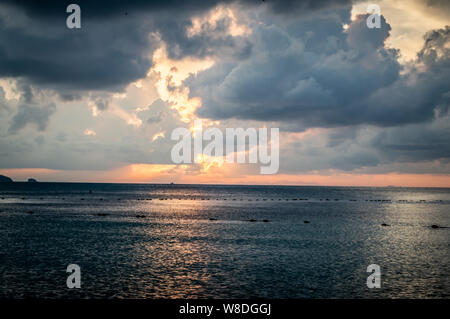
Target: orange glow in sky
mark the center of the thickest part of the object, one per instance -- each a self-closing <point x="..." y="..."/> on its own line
<point x="225" y="174"/>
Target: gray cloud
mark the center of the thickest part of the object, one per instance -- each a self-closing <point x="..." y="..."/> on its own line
<point x="293" y="77"/>
<point x="348" y="79"/>
<point x="114" y="45"/>
<point x="35" y="115"/>
<point x="413" y="148"/>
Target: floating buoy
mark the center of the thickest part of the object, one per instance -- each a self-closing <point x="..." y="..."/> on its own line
<point x="30" y="212"/>
<point x="101" y="214"/>
<point x="265" y="220"/>
<point x="306" y="222"/>
<point x="212" y="218"/>
<point x="252" y="220"/>
<point x="385" y="224"/>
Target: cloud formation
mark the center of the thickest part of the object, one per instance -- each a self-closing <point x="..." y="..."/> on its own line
<point x="349" y="79"/>
<point x="85" y="99"/>
<point x="115" y="43"/>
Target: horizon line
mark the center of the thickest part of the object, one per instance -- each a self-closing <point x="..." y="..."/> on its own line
<point x="206" y="184"/>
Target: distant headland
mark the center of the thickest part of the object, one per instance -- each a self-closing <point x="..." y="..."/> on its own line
<point x="5" y="179"/>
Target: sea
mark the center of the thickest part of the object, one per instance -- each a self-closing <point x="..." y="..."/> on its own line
<point x="217" y="241"/>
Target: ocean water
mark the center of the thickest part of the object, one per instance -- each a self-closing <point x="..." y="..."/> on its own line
<point x="188" y="241"/>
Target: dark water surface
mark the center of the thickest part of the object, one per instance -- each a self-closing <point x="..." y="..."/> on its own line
<point x="176" y="241"/>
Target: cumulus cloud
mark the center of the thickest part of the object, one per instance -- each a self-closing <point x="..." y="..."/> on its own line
<point x="350" y="79"/>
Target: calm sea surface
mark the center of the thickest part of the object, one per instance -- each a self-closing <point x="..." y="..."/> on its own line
<point x="180" y="241"/>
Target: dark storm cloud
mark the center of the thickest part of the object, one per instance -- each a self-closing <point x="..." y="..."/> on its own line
<point x="291" y="76"/>
<point x="350" y="78"/>
<point x="98" y="56"/>
<point x="113" y="7"/>
<point x="113" y="46"/>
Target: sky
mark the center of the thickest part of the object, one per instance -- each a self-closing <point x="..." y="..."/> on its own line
<point x="355" y="106"/>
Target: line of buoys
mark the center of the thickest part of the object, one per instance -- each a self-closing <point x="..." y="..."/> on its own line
<point x="267" y="199"/>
